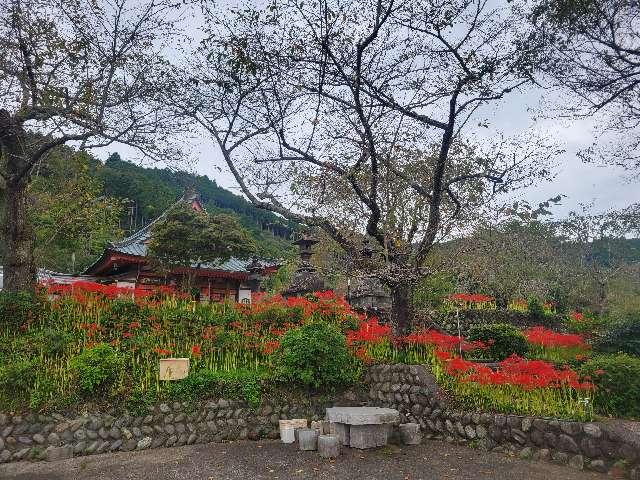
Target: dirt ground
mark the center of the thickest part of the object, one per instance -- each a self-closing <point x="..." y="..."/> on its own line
<point x="274" y="460"/>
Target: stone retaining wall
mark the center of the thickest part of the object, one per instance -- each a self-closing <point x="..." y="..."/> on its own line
<point x="57" y="436"/>
<point x="601" y="446"/>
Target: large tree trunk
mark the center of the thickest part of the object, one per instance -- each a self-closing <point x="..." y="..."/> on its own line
<point x="401" y="311"/>
<point x="19" y="267"/>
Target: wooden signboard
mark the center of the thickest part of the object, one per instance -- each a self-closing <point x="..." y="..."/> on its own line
<point x="174" y="368"/>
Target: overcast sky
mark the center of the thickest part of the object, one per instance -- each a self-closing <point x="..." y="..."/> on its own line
<point x="605" y="187"/>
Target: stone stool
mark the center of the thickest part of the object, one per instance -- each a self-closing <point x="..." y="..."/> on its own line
<point x="410" y="433"/>
<point x="307" y="438"/>
<point x="328" y="446"/>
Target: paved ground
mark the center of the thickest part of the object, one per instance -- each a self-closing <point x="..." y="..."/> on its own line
<point x="273" y="460"/>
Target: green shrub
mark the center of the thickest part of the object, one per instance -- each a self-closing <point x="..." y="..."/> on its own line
<point x="120" y="311"/>
<point x="139" y="401"/>
<point x="315" y="355"/>
<point x="535" y="308"/>
<point x="19" y="308"/>
<point x="97" y="369"/>
<point x="235" y="385"/>
<point x="42" y="394"/>
<point x="17" y="377"/>
<point x="52" y="343"/>
<point x="502" y="340"/>
<point x="617" y="378"/>
<point x="623" y="337"/>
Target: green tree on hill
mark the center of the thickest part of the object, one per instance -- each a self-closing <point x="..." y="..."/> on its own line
<point x="185" y="238"/>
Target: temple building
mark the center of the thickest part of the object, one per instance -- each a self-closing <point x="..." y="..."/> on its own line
<point x="126" y="263"/>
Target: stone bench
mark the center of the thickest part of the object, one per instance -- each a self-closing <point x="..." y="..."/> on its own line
<point x="362" y="427"/>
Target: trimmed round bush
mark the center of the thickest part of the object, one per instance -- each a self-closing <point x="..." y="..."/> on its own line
<point x="617" y="380"/>
<point x="502" y="340"/>
<point x="96" y="369"/>
<point x="315" y="355"/>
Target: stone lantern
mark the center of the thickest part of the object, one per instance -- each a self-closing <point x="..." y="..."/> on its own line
<point x="305" y="279"/>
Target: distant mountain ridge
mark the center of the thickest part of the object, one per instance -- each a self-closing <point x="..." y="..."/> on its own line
<point x="151" y="191"/>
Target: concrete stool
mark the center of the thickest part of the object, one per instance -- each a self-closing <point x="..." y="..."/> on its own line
<point x="307" y="438"/>
<point x="287" y="434"/>
<point x="328" y="446"/>
<point x="410" y="433"/>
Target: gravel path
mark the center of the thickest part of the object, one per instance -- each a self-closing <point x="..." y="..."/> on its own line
<point x="272" y="460"/>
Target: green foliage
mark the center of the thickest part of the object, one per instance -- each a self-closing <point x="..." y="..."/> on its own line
<point x="18" y="376"/>
<point x="71" y="217"/>
<point x="624" y="336"/>
<point x="235" y="384"/>
<point x="315" y="355"/>
<point x="431" y="290"/>
<point x="185" y="237"/>
<point x="53" y="343"/>
<point x="120" y="311"/>
<point x="16" y="309"/>
<point x="502" y="340"/>
<point x="139" y="400"/>
<point x="97" y="369"/>
<point x="617" y="378"/>
<point x="43" y="393"/>
<point x="535" y="308"/>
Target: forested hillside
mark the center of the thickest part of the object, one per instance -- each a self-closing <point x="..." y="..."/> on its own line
<point x="149" y="191"/>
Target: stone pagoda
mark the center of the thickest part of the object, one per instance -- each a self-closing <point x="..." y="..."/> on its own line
<point x="305" y="279"/>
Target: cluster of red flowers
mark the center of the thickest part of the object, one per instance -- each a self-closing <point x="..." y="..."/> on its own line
<point x="576" y="316"/>
<point x="325" y="303"/>
<point x="442" y="341"/>
<point x="271" y="346"/>
<point x="527" y="374"/>
<point x="470" y="297"/>
<point x="83" y="287"/>
<point x="369" y="331"/>
<point x="548" y="338"/>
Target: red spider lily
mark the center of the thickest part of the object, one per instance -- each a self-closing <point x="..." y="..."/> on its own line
<point x="271" y="346"/>
<point x="162" y="351"/>
<point x="576" y="316"/>
<point x="470" y="297"/>
<point x="362" y="354"/>
<point x="209" y="333"/>
<point x="549" y="338"/>
<point x="196" y="351"/>
<point x="127" y="335"/>
<point x="443" y="355"/>
<point x="442" y="341"/>
<point x="369" y="332"/>
<point x="599" y="372"/>
<point x="527" y="374"/>
<point x="134" y="325"/>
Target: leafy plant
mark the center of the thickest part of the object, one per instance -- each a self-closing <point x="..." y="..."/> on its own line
<point x="501" y="340"/>
<point x="97" y="368"/>
<point x="17" y="376"/>
<point x="16" y="309"/>
<point x="617" y="378"/>
<point x="234" y="384"/>
<point x="315" y="355"/>
<point x="535" y="308"/>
